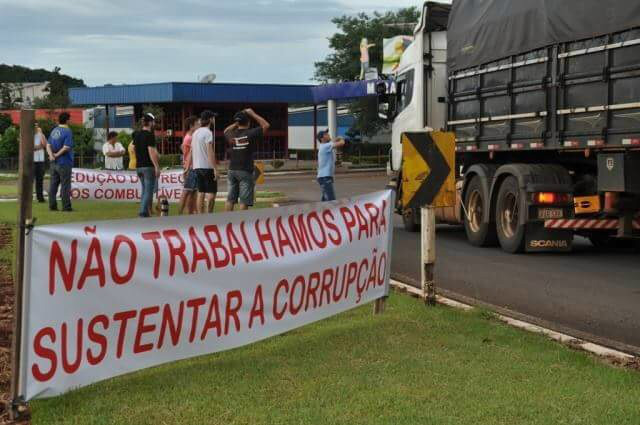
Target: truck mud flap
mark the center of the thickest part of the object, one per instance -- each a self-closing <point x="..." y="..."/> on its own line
<point x="541" y="239"/>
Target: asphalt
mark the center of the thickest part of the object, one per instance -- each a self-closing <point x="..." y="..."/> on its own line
<point x="589" y="294"/>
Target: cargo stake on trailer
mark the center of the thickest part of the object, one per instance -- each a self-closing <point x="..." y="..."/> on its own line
<point x="25" y="200"/>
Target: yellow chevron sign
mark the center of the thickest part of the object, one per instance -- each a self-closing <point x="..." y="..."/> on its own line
<point x="428" y="169"/>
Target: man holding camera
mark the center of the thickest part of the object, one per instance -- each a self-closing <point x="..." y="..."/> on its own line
<point x="327" y="163"/>
<point x="242" y="141"/>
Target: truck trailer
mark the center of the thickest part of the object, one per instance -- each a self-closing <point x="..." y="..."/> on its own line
<point x="544" y="100"/>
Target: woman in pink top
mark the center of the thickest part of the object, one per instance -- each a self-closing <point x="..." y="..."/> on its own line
<point x="188" y="199"/>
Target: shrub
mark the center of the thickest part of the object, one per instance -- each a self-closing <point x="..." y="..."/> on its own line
<point x="170" y="161"/>
<point x="5" y="123"/>
<point x="125" y="139"/>
<point x="47" y="125"/>
<point x="9" y="145"/>
<point x="82" y="141"/>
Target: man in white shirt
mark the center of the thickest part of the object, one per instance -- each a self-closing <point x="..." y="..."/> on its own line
<point x="113" y="152"/>
<point x="204" y="163"/>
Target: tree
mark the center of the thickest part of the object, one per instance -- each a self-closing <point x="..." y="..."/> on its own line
<point x="6" y="101"/>
<point x="343" y="64"/>
<point x="5" y="122"/>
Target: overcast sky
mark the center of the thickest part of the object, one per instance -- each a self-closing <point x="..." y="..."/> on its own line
<point x="123" y="41"/>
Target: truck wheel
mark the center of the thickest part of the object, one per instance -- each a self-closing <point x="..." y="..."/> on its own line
<point x="411" y="220"/>
<point x="511" y="233"/>
<point x="479" y="233"/>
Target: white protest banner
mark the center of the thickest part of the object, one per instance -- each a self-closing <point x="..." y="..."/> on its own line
<point x="107" y="298"/>
<point x="122" y="186"/>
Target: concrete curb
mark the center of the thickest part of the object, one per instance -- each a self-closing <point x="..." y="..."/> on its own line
<point x="590" y="347"/>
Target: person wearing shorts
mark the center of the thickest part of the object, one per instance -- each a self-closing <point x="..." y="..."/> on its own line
<point x="242" y="141"/>
<point x="189" y="195"/>
<point x="204" y="163"/>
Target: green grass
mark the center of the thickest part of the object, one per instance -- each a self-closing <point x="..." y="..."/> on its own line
<point x="411" y="365"/>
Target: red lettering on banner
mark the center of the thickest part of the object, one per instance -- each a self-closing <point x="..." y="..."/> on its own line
<point x="321" y="242"/>
<point x="231" y="311"/>
<point x="235" y="248"/>
<point x="118" y="278"/>
<point x="123" y="317"/>
<point x="95" y="253"/>
<point x="213" y="319"/>
<point x="382" y="274"/>
<point x="327" y="279"/>
<point x="255" y="257"/>
<point x="364" y="264"/>
<point x="97" y="338"/>
<point x="66" y="365"/>
<point x="266" y="236"/>
<point x="199" y="251"/>
<point x="45" y="353"/>
<point x="174" y="325"/>
<point x="217" y="246"/>
<point x="352" y="274"/>
<point x="311" y="290"/>
<point x="363" y="226"/>
<point x="57" y="260"/>
<point x="373" y="275"/>
<point x="300" y="233"/>
<point x="278" y="315"/>
<point x="343" y="286"/>
<point x="195" y="305"/>
<point x="176" y="250"/>
<point x="293" y="307"/>
<point x="374" y="213"/>
<point x="349" y="221"/>
<point x="257" y="310"/>
<point x="154" y="237"/>
<point x="334" y="233"/>
<point x="143" y="328"/>
<point x="283" y="238"/>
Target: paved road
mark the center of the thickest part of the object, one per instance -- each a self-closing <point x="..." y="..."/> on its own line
<point x="587" y="293"/>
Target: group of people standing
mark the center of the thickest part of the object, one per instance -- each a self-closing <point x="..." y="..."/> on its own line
<point x="199" y="161"/>
<point x="200" y="164"/>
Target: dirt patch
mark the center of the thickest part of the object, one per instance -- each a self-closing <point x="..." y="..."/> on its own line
<point x="6" y="329"/>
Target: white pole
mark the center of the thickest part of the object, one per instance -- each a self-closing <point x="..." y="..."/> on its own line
<point x="332" y="116"/>
<point x="428" y="233"/>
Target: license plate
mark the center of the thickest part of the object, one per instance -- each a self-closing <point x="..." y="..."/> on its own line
<point x="550" y="213"/>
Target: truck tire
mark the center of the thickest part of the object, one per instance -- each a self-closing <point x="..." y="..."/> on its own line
<point x="411" y="220"/>
<point x="479" y="232"/>
<point x="511" y="233"/>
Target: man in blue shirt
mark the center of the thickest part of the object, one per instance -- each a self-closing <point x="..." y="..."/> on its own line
<point x="60" y="150"/>
<point x="327" y="163"/>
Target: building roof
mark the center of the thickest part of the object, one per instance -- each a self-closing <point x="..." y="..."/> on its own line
<point x="191" y="93"/>
<point x="219" y="93"/>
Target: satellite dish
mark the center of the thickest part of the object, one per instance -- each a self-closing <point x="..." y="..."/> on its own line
<point x="208" y="79"/>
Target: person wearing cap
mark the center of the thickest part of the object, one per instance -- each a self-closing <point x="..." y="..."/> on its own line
<point x="327" y="163"/>
<point x="203" y="161"/>
<point x="242" y="141"/>
<point x="147" y="163"/>
<point x="60" y="150"/>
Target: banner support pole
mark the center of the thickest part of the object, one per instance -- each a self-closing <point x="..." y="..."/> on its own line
<point x="25" y="201"/>
<point x="428" y="239"/>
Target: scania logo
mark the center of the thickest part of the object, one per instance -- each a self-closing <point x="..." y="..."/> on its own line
<point x="610" y="164"/>
<point x="549" y="244"/>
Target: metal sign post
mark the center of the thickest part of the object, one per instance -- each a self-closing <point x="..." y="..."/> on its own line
<point x="25" y="200"/>
<point x="428" y="238"/>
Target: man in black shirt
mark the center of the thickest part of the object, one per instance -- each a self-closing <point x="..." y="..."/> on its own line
<point x="148" y="166"/>
<point x="242" y="141"/>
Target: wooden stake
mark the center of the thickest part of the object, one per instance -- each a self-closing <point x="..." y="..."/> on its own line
<point x="378" y="306"/>
<point x="25" y="200"/>
<point x="428" y="232"/>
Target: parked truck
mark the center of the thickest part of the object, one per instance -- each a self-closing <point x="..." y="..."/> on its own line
<point x="544" y="100"/>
